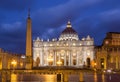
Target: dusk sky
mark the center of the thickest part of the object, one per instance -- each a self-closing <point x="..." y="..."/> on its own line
<point x="49" y="19"/>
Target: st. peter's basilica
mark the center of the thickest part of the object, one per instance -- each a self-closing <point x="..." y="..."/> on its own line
<point x="67" y="50"/>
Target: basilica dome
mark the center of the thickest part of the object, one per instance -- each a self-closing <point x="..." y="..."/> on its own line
<point x="69" y="33"/>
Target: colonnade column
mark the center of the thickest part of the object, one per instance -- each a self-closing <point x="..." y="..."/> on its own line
<point x="54" y="62"/>
<point x="47" y="58"/>
<point x="69" y="58"/>
<point x="65" y="55"/>
<point x="53" y="57"/>
<point x="77" y="58"/>
<point x="59" y="57"/>
<point x="41" y="59"/>
<point x="116" y="62"/>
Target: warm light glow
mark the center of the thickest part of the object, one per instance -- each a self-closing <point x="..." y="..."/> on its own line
<point x="50" y="44"/>
<point x="57" y="44"/>
<point x="106" y="42"/>
<point x="50" y="59"/>
<point x="67" y="44"/>
<point x="74" y="44"/>
<point x="14" y="63"/>
<point x="95" y="77"/>
<point x="49" y="78"/>
<point x="21" y="64"/>
<point x="95" y="64"/>
<point x="62" y="57"/>
<point x="13" y="77"/>
<point x="102" y="63"/>
<point x="59" y="62"/>
<point x="74" y="54"/>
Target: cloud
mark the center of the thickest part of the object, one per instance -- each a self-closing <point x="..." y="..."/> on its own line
<point x="12" y="37"/>
<point x="16" y="5"/>
<point x="55" y="16"/>
<point x="11" y="27"/>
<point x="45" y="19"/>
<point x="110" y="15"/>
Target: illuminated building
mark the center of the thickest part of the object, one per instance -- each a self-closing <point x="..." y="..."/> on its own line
<point x="108" y="54"/>
<point x="11" y="61"/>
<point x="67" y="50"/>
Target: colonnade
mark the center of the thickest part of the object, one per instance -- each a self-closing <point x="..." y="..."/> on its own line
<point x="65" y="58"/>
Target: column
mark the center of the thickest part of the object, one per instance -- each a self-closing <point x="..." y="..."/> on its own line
<point x="116" y="62"/>
<point x="55" y="57"/>
<point x="59" y="57"/>
<point x="54" y="62"/>
<point x="41" y="58"/>
<point x="65" y="55"/>
<point x="47" y="58"/>
<point x="77" y="57"/>
<point x="69" y="59"/>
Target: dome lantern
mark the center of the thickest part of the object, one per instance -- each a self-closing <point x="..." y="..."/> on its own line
<point x="69" y="33"/>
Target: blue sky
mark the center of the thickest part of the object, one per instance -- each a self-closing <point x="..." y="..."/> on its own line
<point x="49" y="18"/>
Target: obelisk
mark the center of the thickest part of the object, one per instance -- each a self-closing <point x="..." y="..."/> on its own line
<point x="29" y="43"/>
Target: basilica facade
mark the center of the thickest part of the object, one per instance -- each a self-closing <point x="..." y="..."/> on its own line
<point x="67" y="50"/>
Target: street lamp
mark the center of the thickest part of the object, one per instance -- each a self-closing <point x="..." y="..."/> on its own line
<point x="95" y="66"/>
